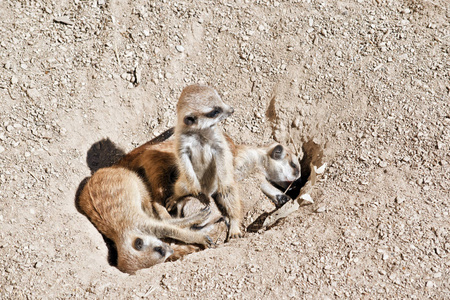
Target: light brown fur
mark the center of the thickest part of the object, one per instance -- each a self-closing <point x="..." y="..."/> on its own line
<point x="117" y="202"/>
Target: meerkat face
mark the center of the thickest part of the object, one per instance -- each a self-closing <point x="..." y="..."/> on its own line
<point x="200" y="107"/>
<point x="142" y="252"/>
<point x="282" y="166"/>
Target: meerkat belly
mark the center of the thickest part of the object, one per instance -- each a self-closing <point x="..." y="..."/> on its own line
<point x="205" y="168"/>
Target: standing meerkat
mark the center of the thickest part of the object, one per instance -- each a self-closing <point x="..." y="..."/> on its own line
<point x="117" y="202"/>
<point x="205" y="160"/>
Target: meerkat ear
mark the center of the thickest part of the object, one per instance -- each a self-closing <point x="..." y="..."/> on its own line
<point x="189" y="120"/>
<point x="277" y="152"/>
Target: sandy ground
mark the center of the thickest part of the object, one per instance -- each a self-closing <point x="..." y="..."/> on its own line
<point x="82" y="82"/>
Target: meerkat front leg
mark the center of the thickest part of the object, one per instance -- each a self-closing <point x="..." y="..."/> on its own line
<point x="163" y="230"/>
<point x="195" y="219"/>
<point x="275" y="195"/>
<point x="186" y="184"/>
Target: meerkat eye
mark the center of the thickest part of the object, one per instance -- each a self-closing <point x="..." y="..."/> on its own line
<point x="189" y="120"/>
<point x="293" y="165"/>
<point x="216" y="111"/>
<point x="138" y="244"/>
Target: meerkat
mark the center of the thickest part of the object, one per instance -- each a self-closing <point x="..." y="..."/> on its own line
<point x="117" y="202"/>
<point x="157" y="162"/>
<point x="205" y="161"/>
<point x="278" y="166"/>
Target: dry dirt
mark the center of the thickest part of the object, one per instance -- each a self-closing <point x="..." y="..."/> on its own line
<point x="368" y="79"/>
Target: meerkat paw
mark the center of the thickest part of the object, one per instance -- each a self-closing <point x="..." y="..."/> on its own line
<point x="171" y="202"/>
<point x="233" y="230"/>
<point x="204" y="240"/>
<point x="209" y="242"/>
<point x="280" y="200"/>
<point x="202" y="215"/>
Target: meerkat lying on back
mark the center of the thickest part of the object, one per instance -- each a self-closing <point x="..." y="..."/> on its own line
<point x="205" y="160"/>
<point x="277" y="164"/>
<point x="117" y="202"/>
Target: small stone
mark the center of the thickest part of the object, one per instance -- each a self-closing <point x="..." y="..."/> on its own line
<point x="383" y="164"/>
<point x="297" y="122"/>
<point x="9" y="128"/>
<point x="179" y="48"/>
<point x="403" y="57"/>
<point x="399" y="200"/>
<point x="321" y="209"/>
<point x="38" y="265"/>
<point x="137" y="75"/>
<point x="339" y="53"/>
<point x="2" y="149"/>
<point x="430" y="284"/>
<point x="33" y="94"/>
<point x="63" y="20"/>
<point x="14" y="80"/>
<point x="146" y="33"/>
<point x="101" y="2"/>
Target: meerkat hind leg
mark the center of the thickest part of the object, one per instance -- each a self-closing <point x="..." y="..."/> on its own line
<point x="230" y="206"/>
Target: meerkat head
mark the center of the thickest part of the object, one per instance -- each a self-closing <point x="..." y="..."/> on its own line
<point x="282" y="166"/>
<point x="201" y="107"/>
<point x="140" y="252"/>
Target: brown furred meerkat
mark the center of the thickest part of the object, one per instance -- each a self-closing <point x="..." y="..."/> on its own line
<point x="205" y="161"/>
<point x="117" y="202"/>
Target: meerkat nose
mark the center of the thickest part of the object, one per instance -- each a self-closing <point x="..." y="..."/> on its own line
<point x="160" y="250"/>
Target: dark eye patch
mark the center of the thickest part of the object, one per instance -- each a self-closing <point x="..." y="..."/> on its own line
<point x="293" y="165"/>
<point x="138" y="244"/>
<point x="214" y="113"/>
<point x="189" y="120"/>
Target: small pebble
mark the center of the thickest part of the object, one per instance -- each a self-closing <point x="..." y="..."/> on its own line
<point x="179" y="48"/>
<point x="14" y="80"/>
<point x="63" y="20"/>
<point x="321" y="209"/>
